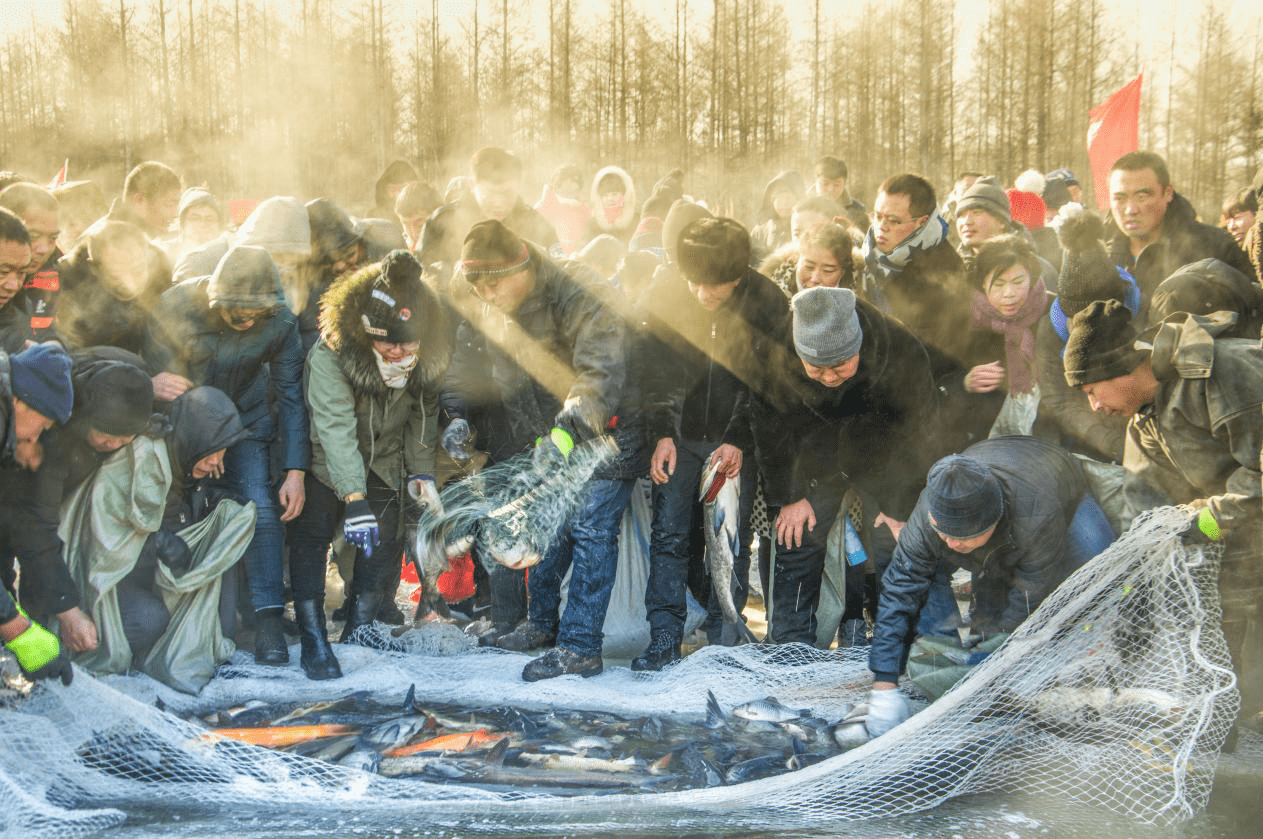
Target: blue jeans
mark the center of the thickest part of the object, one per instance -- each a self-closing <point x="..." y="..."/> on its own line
<point x="1090" y="532"/>
<point x="588" y="541"/>
<point x="247" y="472"/>
<point x="669" y="540"/>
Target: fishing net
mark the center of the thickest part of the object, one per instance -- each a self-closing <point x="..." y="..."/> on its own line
<point x="1116" y="694"/>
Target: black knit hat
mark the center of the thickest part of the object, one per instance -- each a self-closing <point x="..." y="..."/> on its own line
<point x="964" y="496"/>
<point x="714" y="251"/>
<point x="1102" y="344"/>
<point x="492" y="250"/>
<point x="1087" y="273"/>
<point x="390" y="313"/>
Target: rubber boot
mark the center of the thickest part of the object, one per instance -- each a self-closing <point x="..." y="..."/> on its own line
<point x="361" y="609"/>
<point x="317" y="658"/>
<point x="269" y="640"/>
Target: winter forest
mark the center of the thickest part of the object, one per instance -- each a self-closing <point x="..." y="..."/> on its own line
<point x="314" y="96"/>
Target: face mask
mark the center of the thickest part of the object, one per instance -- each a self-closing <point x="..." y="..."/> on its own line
<point x="395" y="373"/>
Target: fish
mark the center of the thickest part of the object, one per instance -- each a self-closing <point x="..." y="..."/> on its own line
<point x="393" y="734"/>
<point x="464" y="770"/>
<point x="581" y="763"/>
<point x="305" y="711"/>
<point x="329" y="750"/>
<point x="592" y="743"/>
<point x="803" y="760"/>
<point x="756" y="767"/>
<point x="769" y="710"/>
<point x="721" y="505"/>
<point x="698" y="768"/>
<point x="252" y="712"/>
<point x="805" y="729"/>
<point x="715" y="716"/>
<point x="365" y="760"/>
<point x="461" y="741"/>
<point x="275" y="737"/>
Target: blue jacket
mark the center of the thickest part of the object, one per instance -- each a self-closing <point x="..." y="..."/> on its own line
<point x="190" y="338"/>
<point x="1021" y="564"/>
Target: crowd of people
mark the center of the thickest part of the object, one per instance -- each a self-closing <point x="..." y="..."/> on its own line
<point x="191" y="405"/>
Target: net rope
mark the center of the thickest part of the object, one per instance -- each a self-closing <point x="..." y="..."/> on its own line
<point x="1117" y="693"/>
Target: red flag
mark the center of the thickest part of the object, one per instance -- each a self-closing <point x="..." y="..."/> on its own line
<point x="1113" y="131"/>
<point x="60" y="177"/>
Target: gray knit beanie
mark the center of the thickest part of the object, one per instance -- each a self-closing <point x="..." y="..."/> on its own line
<point x="826" y="329"/>
<point x="986" y="194"/>
<point x="964" y="495"/>
<point x="246" y="278"/>
<point x="278" y="225"/>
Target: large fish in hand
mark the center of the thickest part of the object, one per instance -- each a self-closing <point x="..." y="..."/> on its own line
<point x="721" y="506"/>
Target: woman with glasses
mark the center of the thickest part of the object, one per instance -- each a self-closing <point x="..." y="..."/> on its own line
<point x="232" y="331"/>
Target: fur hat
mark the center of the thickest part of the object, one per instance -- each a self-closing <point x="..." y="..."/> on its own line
<point x="389" y="313"/>
<point x="965" y="497"/>
<point x="1102" y="344"/>
<point x="40" y="376"/>
<point x="986" y="194"/>
<point x="826" y="329"/>
<point x="1087" y="274"/>
<point x="713" y="251"/>
<point x="492" y="250"/>
<point x="681" y="214"/>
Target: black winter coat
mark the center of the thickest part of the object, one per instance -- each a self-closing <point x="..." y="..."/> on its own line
<point x="190" y="338"/>
<point x="703" y="368"/>
<point x="1184" y="239"/>
<point x="1020" y="565"/>
<point x="871" y="432"/>
<point x="90" y="315"/>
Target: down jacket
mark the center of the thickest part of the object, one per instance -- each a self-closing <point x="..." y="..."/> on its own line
<point x="1021" y="564"/>
<point x="357" y="422"/>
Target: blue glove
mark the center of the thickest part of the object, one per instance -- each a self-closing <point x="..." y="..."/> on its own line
<point x="360" y="528"/>
<point x="886" y="709"/>
<point x="456" y="440"/>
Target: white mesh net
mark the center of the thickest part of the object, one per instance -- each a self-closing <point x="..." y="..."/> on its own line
<point x="1117" y="694"/>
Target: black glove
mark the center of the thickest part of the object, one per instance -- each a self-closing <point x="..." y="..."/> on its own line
<point x="1202" y="529"/>
<point x="169" y="549"/>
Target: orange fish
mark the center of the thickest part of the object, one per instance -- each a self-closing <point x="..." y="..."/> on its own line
<point x="279" y="736"/>
<point x="461" y="741"/>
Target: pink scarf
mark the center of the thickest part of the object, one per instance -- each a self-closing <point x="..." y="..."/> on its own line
<point x="1018" y="332"/>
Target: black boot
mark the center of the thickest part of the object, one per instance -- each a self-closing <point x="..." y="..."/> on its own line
<point x="317" y="658"/>
<point x="269" y="641"/>
<point x="361" y="609"/>
<point x="664" y="649"/>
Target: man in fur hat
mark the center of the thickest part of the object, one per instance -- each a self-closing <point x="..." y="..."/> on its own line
<point x="1195" y="403"/>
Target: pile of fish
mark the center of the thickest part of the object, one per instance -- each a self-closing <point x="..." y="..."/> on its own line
<point x="561" y="752"/>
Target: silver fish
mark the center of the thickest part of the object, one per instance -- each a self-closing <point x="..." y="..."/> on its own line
<point x="715" y="716"/>
<point x="754" y="768"/>
<point x="769" y="710"/>
<point x="721" y="506"/>
<point x="366" y="760"/>
<point x="583" y="764"/>
<point x="395" y="733"/>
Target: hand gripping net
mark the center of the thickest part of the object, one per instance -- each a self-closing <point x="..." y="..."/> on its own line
<point x="1117" y="694"/>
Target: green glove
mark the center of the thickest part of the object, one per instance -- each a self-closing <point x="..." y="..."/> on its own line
<point x="39" y="653"/>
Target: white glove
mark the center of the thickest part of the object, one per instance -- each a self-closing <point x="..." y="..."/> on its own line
<point x="886" y="709"/>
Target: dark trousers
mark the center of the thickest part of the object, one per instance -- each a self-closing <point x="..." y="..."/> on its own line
<point x="312" y="532"/>
<point x="669" y="539"/>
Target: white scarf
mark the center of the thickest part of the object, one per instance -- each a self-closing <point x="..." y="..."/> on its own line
<point x="395" y="373"/>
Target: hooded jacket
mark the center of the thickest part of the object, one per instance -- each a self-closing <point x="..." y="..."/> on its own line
<point x="1020" y="565"/>
<point x="1198" y="442"/>
<point x="396" y="172"/>
<point x="90" y="315"/>
<point x="623" y="225"/>
<point x="36" y="497"/>
<point x="703" y="367"/>
<point x="190" y="337"/>
<point x="1184" y="239"/>
<point x="869" y="432"/>
<point x="359" y="424"/>
<point x="769" y="230"/>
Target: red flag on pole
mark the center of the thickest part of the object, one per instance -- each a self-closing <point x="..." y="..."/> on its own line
<point x="1113" y="130"/>
<point x="60" y="177"/>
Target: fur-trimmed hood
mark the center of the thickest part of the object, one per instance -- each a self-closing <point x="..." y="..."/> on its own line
<point x="342" y="329"/>
<point x="626" y="219"/>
